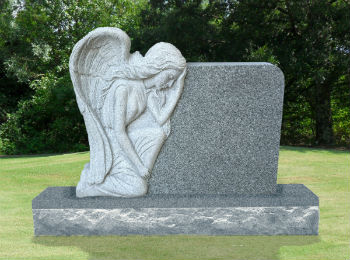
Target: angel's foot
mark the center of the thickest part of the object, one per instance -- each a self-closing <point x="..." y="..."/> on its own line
<point x="86" y="190"/>
<point x="144" y="172"/>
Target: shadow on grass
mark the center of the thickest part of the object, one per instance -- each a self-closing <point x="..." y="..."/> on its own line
<point x="314" y="149"/>
<point x="179" y="246"/>
<point x="36" y="155"/>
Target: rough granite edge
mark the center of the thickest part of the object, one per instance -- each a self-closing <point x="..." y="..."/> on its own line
<point x="167" y="221"/>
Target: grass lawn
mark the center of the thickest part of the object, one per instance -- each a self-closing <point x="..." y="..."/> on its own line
<point x="325" y="172"/>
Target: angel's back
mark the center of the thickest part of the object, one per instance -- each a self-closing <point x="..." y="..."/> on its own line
<point x="125" y="98"/>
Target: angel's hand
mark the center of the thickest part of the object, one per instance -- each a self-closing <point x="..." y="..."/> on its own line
<point x="153" y="105"/>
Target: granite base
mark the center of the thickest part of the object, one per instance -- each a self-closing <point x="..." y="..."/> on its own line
<point x="292" y="210"/>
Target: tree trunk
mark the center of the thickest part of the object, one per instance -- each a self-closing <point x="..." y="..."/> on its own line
<point x="323" y="115"/>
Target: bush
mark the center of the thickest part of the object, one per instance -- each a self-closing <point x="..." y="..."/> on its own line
<point x="48" y="122"/>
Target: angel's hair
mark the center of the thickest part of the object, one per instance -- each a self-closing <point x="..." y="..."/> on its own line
<point x="160" y="57"/>
<point x="165" y="56"/>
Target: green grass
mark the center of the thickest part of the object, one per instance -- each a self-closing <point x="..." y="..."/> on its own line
<point x="325" y="172"/>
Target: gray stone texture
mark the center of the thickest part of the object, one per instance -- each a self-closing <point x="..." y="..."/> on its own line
<point x="165" y="221"/>
<point x="287" y="195"/>
<point x="216" y="173"/>
<point x="292" y="210"/>
<point x="225" y="132"/>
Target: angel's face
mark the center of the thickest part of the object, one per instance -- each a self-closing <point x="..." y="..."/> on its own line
<point x="165" y="79"/>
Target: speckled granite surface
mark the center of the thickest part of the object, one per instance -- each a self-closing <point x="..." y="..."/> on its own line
<point x="292" y="210"/>
<point x="165" y="221"/>
<point x="287" y="195"/>
<point x="225" y="131"/>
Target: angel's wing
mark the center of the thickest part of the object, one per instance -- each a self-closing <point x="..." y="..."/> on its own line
<point x="91" y="59"/>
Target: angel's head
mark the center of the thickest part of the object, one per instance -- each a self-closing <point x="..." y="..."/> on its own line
<point x="160" y="68"/>
<point x="166" y="63"/>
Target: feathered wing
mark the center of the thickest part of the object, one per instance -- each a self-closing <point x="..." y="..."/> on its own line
<point x="89" y="66"/>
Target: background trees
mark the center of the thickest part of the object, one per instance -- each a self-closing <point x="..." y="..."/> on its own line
<point x="309" y="40"/>
<point x="37" y="39"/>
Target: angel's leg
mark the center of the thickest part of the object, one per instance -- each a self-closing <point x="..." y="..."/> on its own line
<point x="122" y="181"/>
<point x="147" y="143"/>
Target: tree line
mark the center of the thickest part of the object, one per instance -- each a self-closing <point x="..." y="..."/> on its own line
<point x="309" y="40"/>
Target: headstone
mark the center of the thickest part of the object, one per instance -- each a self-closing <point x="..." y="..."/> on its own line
<point x="225" y="132"/>
<point x="216" y="170"/>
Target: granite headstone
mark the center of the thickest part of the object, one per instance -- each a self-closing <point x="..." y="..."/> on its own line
<point x="215" y="174"/>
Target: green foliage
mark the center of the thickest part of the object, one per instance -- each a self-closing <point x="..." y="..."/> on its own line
<point x="11" y="92"/>
<point x="297" y="124"/>
<point x="186" y="24"/>
<point x="48" y="122"/>
<point x="341" y="111"/>
<point x="45" y="31"/>
<point x="308" y="40"/>
<point x="263" y="54"/>
<point x="35" y="47"/>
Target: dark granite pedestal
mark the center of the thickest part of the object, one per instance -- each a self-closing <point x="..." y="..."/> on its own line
<point x="292" y="210"/>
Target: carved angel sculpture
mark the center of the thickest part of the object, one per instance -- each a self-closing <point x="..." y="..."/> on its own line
<point x="126" y="101"/>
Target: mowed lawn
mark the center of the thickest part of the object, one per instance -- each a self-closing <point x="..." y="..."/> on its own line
<point x="325" y="172"/>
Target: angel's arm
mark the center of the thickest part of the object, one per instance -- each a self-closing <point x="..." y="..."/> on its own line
<point x="119" y="126"/>
<point x="162" y="114"/>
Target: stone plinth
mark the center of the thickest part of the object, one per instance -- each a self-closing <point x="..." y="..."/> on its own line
<point x="292" y="210"/>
